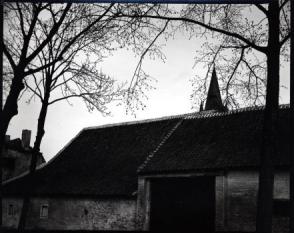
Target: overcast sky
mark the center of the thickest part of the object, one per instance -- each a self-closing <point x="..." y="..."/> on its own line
<point x="172" y="95"/>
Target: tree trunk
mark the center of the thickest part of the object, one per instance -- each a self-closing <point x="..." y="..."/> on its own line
<point x="292" y="124"/>
<point x="268" y="147"/>
<point x="34" y="159"/>
<point x="1" y="101"/>
<point x="10" y="108"/>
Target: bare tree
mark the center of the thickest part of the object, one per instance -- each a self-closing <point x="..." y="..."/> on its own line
<point x="21" y="25"/>
<point x="242" y="76"/>
<point x="25" y="22"/>
<point x="242" y="69"/>
<point x="57" y="35"/>
<point x="241" y="64"/>
<point x="75" y="76"/>
<point x="86" y="31"/>
<point x="69" y="80"/>
<point x="225" y="22"/>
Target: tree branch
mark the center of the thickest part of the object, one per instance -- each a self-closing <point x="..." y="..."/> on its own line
<point x="146" y="50"/>
<point x="21" y="20"/>
<point x="85" y="30"/>
<point x="50" y="35"/>
<point x="32" y="71"/>
<point x="250" y="68"/>
<point x="35" y="92"/>
<point x="235" y="69"/>
<point x="232" y="34"/>
<point x="68" y="96"/>
<point x="9" y="57"/>
<point x="284" y="40"/>
<point x="283" y="4"/>
<point x="26" y="39"/>
<point x="260" y="7"/>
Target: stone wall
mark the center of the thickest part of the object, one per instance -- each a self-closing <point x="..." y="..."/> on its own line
<point x="11" y="221"/>
<point x="236" y="194"/>
<point x="73" y="214"/>
<point x="236" y="198"/>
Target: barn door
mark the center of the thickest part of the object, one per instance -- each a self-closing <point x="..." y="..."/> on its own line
<point x="183" y="204"/>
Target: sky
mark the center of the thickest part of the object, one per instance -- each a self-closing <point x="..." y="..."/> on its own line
<point x="171" y="96"/>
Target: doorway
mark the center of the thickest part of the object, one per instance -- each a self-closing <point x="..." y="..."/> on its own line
<point x="183" y="204"/>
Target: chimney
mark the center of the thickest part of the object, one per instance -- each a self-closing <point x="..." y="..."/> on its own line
<point x="7" y="138"/>
<point x="26" y="138"/>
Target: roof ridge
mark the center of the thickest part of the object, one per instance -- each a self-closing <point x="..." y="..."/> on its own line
<point x="184" y="115"/>
<point x="208" y="114"/>
<point x="139" y="121"/>
<point x="167" y="136"/>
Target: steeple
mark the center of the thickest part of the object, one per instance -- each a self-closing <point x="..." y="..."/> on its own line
<point x="214" y="100"/>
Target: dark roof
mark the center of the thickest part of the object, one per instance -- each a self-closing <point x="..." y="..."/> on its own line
<point x="214" y="100"/>
<point x="99" y="161"/>
<point x="106" y="160"/>
<point x="219" y="141"/>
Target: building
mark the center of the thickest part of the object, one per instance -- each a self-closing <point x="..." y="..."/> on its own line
<point x="17" y="155"/>
<point x="191" y="171"/>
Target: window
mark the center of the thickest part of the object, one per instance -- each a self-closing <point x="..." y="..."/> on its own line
<point x="44" y="211"/>
<point x="10" y="210"/>
<point x="281" y="207"/>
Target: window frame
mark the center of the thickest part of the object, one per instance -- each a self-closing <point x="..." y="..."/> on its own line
<point x="42" y="213"/>
<point x="10" y="210"/>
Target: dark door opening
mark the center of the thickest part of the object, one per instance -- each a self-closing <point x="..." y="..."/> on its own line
<point x="183" y="204"/>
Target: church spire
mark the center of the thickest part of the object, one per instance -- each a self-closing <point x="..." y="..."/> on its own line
<point x="214" y="100"/>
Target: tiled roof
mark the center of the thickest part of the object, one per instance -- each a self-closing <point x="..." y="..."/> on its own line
<point x="219" y="140"/>
<point x="99" y="161"/>
<point x="106" y="160"/>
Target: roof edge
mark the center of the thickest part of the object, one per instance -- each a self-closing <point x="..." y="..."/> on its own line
<point x="177" y="116"/>
<point x="62" y="149"/>
<point x="208" y="114"/>
<point x="208" y="170"/>
<point x="190" y="115"/>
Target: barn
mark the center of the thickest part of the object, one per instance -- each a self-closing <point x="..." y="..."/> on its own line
<point x="196" y="171"/>
<point x="205" y="175"/>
